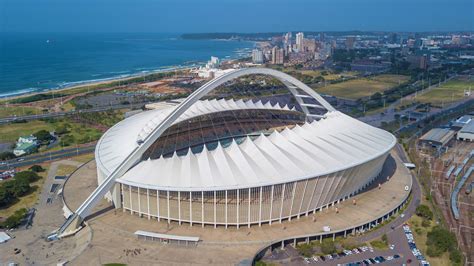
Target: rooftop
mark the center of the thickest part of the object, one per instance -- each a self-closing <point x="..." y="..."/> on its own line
<point x="442" y="135"/>
<point x="468" y="128"/>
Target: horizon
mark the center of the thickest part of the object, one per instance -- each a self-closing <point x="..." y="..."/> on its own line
<point x="245" y="16"/>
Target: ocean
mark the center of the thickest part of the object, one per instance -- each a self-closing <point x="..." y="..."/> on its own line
<point x="31" y="62"/>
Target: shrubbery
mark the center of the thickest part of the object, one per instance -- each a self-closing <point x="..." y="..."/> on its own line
<point x="328" y="246"/>
<point x="37" y="168"/>
<point x="305" y="250"/>
<point x="15" y="219"/>
<point x="440" y="240"/>
<point x="6" y="155"/>
<point x="16" y="187"/>
<point x="424" y="212"/>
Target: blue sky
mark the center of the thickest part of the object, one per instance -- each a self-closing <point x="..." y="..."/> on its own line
<point x="234" y="16"/>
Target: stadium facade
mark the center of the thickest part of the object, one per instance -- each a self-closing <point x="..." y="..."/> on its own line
<point x="237" y="163"/>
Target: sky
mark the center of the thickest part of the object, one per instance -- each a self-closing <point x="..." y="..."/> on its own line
<point x="183" y="16"/>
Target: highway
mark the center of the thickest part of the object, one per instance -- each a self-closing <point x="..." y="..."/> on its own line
<point x="46" y="156"/>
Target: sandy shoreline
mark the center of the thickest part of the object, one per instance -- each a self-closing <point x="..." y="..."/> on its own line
<point x="109" y="80"/>
<point x="93" y="83"/>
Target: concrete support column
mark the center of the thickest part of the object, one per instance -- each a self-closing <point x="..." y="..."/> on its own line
<point x="179" y="207"/>
<point x="282" y="197"/>
<point x="148" y="203"/>
<point x="130" y="195"/>
<point x="158" y="204"/>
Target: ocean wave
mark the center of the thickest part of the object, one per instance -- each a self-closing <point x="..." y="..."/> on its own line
<point x="114" y="75"/>
<point x="19" y="92"/>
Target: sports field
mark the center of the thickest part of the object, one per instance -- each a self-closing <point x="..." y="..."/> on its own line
<point x="363" y="87"/>
<point x="449" y="92"/>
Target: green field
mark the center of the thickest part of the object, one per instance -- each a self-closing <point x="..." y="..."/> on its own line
<point x="78" y="133"/>
<point x="363" y="87"/>
<point x="11" y="132"/>
<point x="18" y="111"/>
<point x="449" y="92"/>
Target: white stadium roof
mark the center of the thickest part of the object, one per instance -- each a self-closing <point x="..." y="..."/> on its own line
<point x="122" y="138"/>
<point x="332" y="144"/>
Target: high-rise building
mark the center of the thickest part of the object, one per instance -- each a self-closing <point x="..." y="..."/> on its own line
<point x="213" y="63"/>
<point x="299" y="41"/>
<point x="350" y="42"/>
<point x="277" y="56"/>
<point x="309" y="45"/>
<point x="257" y="56"/>
<point x="287" y="38"/>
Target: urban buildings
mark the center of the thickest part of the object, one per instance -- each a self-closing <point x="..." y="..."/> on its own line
<point x="299" y="41"/>
<point x="278" y="56"/>
<point x="257" y="56"/>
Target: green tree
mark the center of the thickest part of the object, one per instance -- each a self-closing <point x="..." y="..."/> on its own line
<point x="7" y="155"/>
<point x="327" y="246"/>
<point x="6" y="196"/>
<point x="439" y="240"/>
<point x="15" y="219"/>
<point x="424" y="212"/>
<point x="43" y="136"/>
<point x="455" y="256"/>
<point x="29" y="176"/>
<point x="305" y="250"/>
<point x="37" y="168"/>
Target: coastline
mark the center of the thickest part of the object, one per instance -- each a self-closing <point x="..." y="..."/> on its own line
<point x="81" y="84"/>
<point x="71" y="85"/>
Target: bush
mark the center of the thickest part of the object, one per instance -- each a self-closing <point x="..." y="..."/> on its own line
<point x="30" y="176"/>
<point x="439" y="240"/>
<point x="455" y="256"/>
<point x="349" y="244"/>
<point x="425" y="223"/>
<point x="379" y="244"/>
<point x="7" y="155"/>
<point x="327" y="246"/>
<point x="16" y="187"/>
<point x="37" y="168"/>
<point x="15" y="219"/>
<point x="424" y="212"/>
<point x="305" y="250"/>
<point x="434" y="251"/>
<point x="43" y="136"/>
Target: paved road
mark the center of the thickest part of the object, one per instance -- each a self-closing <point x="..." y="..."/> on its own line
<point x="47" y="156"/>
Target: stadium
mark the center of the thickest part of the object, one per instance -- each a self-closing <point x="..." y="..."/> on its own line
<point x="236" y="162"/>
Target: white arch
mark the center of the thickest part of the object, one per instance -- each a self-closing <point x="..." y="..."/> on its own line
<point x="74" y="221"/>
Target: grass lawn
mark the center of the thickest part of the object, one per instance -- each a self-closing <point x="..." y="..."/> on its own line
<point x="18" y="111"/>
<point x="84" y="158"/>
<point x="64" y="169"/>
<point x="78" y="132"/>
<point x="31" y="199"/>
<point x="11" y="132"/>
<point x="329" y="76"/>
<point x="449" y="92"/>
<point x="363" y="87"/>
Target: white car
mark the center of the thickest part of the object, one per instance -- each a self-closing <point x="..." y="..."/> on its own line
<point x="389" y="258"/>
<point x="307" y="260"/>
<point x="315" y="259"/>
